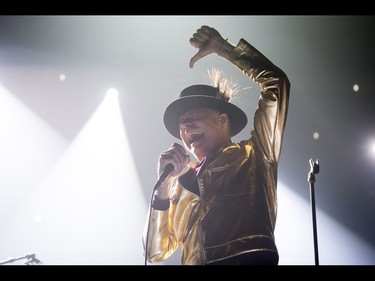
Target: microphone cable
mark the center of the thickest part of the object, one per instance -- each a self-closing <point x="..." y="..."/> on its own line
<point x="167" y="170"/>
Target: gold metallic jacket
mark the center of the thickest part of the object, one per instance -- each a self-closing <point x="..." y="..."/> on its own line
<point x="237" y="207"/>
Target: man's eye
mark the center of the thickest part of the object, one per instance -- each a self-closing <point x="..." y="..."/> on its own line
<point x="196" y="118"/>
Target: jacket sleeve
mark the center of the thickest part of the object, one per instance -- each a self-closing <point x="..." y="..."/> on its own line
<point x="271" y="114"/>
<point x="161" y="242"/>
<point x="166" y="228"/>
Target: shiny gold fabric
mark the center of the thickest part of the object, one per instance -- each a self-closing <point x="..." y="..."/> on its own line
<point x="237" y="207"/>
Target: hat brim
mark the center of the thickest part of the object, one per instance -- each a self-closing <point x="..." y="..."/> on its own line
<point x="172" y="113"/>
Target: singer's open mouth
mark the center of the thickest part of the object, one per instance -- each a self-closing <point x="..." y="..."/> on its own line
<point x="195" y="137"/>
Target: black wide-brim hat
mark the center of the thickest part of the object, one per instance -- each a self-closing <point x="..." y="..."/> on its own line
<point x="198" y="96"/>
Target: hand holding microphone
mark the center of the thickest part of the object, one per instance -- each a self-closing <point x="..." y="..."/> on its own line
<point x="171" y="162"/>
<point x="167" y="170"/>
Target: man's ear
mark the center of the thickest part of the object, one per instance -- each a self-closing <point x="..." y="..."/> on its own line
<point x="223" y="118"/>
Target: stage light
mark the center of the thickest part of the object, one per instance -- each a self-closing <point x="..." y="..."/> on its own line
<point x="112" y="93"/>
<point x="294" y="235"/>
<point x="355" y="88"/>
<point x="372" y="148"/>
<point x="84" y="208"/>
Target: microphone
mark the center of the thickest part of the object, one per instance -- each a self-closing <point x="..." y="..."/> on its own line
<point x="167" y="170"/>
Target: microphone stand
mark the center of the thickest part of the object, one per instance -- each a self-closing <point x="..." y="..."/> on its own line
<point x="30" y="259"/>
<point x="314" y="169"/>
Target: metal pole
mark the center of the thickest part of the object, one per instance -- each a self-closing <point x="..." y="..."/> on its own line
<point x="314" y="169"/>
<point x="30" y="259"/>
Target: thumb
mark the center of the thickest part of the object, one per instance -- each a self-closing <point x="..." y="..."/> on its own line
<point x="200" y="54"/>
<point x="193" y="60"/>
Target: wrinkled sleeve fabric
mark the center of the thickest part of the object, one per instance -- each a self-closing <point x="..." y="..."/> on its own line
<point x="166" y="228"/>
<point x="271" y="115"/>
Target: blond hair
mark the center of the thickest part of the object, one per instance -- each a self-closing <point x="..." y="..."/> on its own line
<point x="228" y="89"/>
